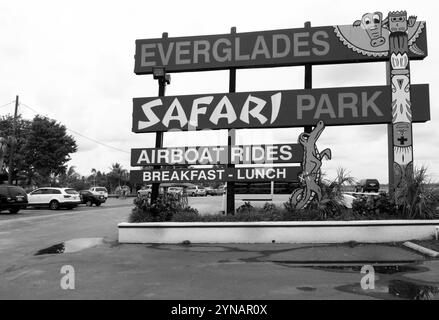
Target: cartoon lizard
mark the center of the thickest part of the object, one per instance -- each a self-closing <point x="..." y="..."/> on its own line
<point x="312" y="161"/>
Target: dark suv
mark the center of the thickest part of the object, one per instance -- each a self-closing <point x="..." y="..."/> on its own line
<point x="12" y="198"/>
<point x="89" y="198"/>
<point x="368" y="185"/>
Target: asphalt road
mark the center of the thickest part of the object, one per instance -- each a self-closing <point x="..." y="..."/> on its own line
<point x="105" y="269"/>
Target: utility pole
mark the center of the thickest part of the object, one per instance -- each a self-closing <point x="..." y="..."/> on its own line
<point x="13" y="141"/>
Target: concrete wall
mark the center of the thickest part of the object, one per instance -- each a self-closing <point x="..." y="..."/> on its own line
<point x="375" y="231"/>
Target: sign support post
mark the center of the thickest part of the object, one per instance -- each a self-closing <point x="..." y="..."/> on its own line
<point x="308" y="78"/>
<point x="231" y="140"/>
<point x="163" y="80"/>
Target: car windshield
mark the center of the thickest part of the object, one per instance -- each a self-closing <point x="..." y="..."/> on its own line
<point x="101" y="189"/>
<point x="14" y="191"/>
<point x="71" y="191"/>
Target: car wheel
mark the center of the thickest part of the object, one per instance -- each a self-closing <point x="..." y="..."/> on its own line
<point x="88" y="203"/>
<point x="14" y="210"/>
<point x="54" y="205"/>
<point x="98" y="204"/>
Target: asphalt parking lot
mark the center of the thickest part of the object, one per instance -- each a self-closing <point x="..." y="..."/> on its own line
<point x="36" y="212"/>
<point x="31" y="263"/>
<point x="204" y="205"/>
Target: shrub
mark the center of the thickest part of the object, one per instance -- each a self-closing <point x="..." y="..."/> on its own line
<point x="186" y="215"/>
<point x="164" y="209"/>
<point x="419" y="199"/>
<point x="374" y="207"/>
<point x="246" y="207"/>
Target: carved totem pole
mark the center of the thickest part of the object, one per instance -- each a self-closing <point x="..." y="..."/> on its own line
<point x="398" y="24"/>
<point x="393" y="37"/>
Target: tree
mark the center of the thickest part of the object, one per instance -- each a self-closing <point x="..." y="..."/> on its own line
<point x="48" y="148"/>
<point x="19" y="165"/>
<point x="117" y="175"/>
<point x="69" y="178"/>
<point x="42" y="148"/>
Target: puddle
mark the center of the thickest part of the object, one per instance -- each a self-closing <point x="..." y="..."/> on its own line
<point x="206" y="249"/>
<point x="401" y="289"/>
<point x="307" y="288"/>
<point x="71" y="246"/>
<point x="188" y="247"/>
<point x="408" y="290"/>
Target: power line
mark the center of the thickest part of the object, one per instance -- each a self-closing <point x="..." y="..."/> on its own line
<point x="25" y="105"/>
<point x="78" y="133"/>
<point x="96" y="141"/>
<point x="7" y="104"/>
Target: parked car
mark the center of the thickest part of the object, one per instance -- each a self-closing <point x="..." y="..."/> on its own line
<point x="368" y="185"/>
<point x="100" y="191"/>
<point x="175" y="190"/>
<point x="146" y="191"/>
<point x="54" y="198"/>
<point x="222" y="190"/>
<point x="89" y="198"/>
<point x="212" y="191"/>
<point x="12" y="198"/>
<point x="195" y="191"/>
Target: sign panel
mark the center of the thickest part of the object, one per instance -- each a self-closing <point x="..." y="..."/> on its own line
<point x="209" y="155"/>
<point x="358" y="42"/>
<point x="274" y="109"/>
<point x="214" y="174"/>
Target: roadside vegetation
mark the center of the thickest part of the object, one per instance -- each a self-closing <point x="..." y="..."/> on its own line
<point x="421" y="202"/>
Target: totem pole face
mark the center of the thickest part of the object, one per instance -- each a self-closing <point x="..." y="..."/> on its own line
<point x="372" y="23"/>
<point x="398" y="21"/>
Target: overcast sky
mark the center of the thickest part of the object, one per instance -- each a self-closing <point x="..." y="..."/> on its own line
<point x="73" y="61"/>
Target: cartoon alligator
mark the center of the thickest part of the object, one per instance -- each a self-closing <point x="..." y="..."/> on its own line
<point x="312" y="161"/>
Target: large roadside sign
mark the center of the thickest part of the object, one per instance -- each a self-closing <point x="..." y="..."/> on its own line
<point x="274" y="109"/>
<point x="396" y="39"/>
<point x="288" y="47"/>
